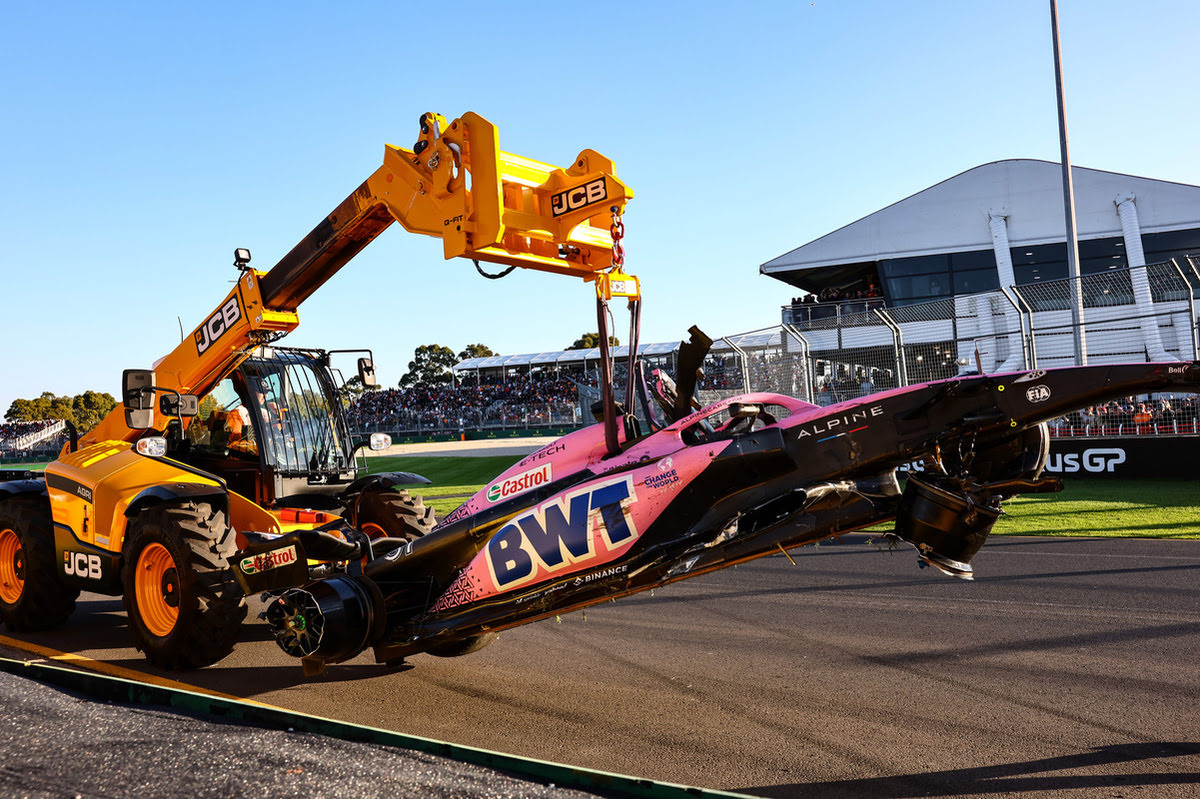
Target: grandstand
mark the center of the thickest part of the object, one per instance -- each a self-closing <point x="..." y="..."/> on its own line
<point x="24" y="439"/>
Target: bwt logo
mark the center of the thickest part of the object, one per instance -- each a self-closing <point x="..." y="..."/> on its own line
<point x="81" y="564"/>
<point x="562" y="532"/>
<point x="217" y="324"/>
<point x="1096" y="461"/>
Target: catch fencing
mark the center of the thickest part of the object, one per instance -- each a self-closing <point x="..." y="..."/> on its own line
<point x="829" y="352"/>
<point x="834" y="351"/>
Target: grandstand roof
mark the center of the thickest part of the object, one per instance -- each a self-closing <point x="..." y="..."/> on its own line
<point x="951" y="216"/>
<point x="561" y="357"/>
<point x="749" y="341"/>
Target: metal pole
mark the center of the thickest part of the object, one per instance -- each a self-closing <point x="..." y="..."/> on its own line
<point x="901" y="359"/>
<point x="745" y="370"/>
<point x="1191" y="300"/>
<point x="1068" y="199"/>
<point x="806" y="359"/>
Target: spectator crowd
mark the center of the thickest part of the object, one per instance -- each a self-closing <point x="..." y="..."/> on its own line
<point x="831" y="294"/>
<point x="1130" y="416"/>
<point x="520" y="400"/>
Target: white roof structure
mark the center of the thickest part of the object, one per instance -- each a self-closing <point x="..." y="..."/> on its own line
<point x="561" y="356"/>
<point x="952" y="216"/>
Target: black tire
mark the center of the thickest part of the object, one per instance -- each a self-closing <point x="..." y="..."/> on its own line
<point x="393" y="514"/>
<point x="464" y="647"/>
<point x="33" y="595"/>
<point x="193" y="619"/>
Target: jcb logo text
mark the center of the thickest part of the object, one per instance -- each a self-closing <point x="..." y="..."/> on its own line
<point x="578" y="197"/>
<point x="81" y="564"/>
<point x="217" y="324"/>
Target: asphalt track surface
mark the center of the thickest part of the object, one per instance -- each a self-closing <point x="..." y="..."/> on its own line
<point x="1070" y="668"/>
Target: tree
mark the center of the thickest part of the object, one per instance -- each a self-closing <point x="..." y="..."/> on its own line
<point x="476" y="351"/>
<point x="90" y="408"/>
<point x="429" y="367"/>
<point x="589" y="340"/>
<point x="354" y="388"/>
<point x="21" y="410"/>
<point x="83" y="410"/>
<point x="47" y="406"/>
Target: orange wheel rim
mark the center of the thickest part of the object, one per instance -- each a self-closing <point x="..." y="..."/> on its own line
<point x="373" y="531"/>
<point x="12" y="566"/>
<point x="156" y="586"/>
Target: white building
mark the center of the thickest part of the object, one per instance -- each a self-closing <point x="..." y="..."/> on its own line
<point x="998" y="225"/>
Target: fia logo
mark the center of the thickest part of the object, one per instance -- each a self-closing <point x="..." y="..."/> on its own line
<point x="575" y="198"/>
<point x="217" y="324"/>
<point x="1039" y="393"/>
<point x="81" y="564"/>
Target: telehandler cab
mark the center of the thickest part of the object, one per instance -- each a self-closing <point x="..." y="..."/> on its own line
<point x="231" y="441"/>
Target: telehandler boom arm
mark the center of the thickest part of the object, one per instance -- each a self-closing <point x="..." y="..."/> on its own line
<point x="456" y="184"/>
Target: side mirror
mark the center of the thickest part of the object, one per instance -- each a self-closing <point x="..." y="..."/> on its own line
<point x="366" y="372"/>
<point x="181" y="405"/>
<point x="137" y="395"/>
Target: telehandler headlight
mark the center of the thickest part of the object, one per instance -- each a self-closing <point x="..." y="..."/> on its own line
<point x="152" y="447"/>
<point x="379" y="441"/>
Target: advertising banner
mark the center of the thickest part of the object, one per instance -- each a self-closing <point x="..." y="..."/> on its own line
<point x="1165" y="457"/>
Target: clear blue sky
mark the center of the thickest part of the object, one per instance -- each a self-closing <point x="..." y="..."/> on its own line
<point x="142" y="142"/>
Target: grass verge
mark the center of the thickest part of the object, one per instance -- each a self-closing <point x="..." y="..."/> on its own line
<point x="1108" y="508"/>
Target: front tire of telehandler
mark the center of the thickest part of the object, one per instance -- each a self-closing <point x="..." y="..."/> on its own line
<point x="32" y="595"/>
<point x="185" y="607"/>
<point x="394" y="514"/>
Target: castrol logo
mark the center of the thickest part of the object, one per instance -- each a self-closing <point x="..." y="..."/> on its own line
<point x="266" y="561"/>
<point x="518" y="483"/>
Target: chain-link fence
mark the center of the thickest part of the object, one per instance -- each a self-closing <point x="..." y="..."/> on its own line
<point x="1120" y="316"/>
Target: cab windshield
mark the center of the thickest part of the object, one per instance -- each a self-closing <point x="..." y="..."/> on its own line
<point x="295" y="425"/>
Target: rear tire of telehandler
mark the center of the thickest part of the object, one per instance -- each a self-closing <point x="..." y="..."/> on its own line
<point x="32" y="594"/>
<point x="185" y="607"/>
<point x="394" y="514"/>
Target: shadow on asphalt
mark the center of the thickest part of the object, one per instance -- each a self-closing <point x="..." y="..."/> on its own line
<point x="1030" y="776"/>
